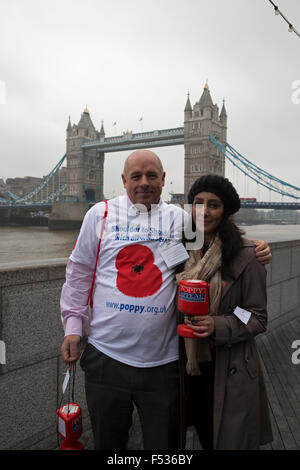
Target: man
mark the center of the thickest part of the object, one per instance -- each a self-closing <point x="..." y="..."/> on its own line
<point x="132" y="350"/>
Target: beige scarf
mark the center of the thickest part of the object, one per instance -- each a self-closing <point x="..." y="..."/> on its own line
<point x="206" y="268"/>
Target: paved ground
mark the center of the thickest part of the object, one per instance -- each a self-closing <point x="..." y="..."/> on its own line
<point x="283" y="385"/>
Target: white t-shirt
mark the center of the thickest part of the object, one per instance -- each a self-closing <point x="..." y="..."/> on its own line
<point x="133" y="316"/>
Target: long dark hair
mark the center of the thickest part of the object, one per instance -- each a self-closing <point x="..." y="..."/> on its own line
<point x="231" y="237"/>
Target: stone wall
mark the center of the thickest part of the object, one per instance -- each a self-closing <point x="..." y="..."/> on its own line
<point x="30" y="326"/>
<point x="67" y="215"/>
<point x="283" y="282"/>
<point x="31" y="380"/>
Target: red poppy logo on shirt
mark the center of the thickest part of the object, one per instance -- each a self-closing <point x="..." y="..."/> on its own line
<point x="138" y="276"/>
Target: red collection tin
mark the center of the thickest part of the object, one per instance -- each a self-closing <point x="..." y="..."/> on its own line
<point x="193" y="299"/>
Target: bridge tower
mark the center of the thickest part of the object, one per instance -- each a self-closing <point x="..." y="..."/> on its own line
<point x="84" y="166"/>
<point x="201" y="156"/>
<point x="84" y="175"/>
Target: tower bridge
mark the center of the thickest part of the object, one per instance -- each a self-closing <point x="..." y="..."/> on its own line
<point x="203" y="136"/>
<point x="86" y="147"/>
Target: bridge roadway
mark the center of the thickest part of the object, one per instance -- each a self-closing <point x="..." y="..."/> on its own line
<point x="283" y="386"/>
<point x="270" y="205"/>
<point x="244" y="205"/>
<point x="131" y="141"/>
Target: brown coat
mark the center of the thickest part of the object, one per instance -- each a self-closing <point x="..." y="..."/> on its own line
<point x="241" y="416"/>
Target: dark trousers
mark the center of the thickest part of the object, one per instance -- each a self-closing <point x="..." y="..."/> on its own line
<point x="111" y="389"/>
<point x="201" y="404"/>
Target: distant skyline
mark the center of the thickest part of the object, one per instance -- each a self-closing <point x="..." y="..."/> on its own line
<point x="139" y="59"/>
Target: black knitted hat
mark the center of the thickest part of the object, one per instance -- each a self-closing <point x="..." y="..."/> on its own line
<point x="221" y="187"/>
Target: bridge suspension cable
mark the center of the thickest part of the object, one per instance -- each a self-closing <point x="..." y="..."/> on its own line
<point x="32" y="196"/>
<point x="278" y="12"/>
<point x="254" y="172"/>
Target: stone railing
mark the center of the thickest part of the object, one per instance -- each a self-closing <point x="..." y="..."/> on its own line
<point x="283" y="283"/>
<point x="31" y="380"/>
<point x="31" y="330"/>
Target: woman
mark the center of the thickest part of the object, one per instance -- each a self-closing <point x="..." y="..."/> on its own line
<point x="223" y="390"/>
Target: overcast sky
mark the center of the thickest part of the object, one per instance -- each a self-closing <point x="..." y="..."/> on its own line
<point x="127" y="59"/>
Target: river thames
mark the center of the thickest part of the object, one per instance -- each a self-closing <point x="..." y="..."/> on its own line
<point x="18" y="244"/>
